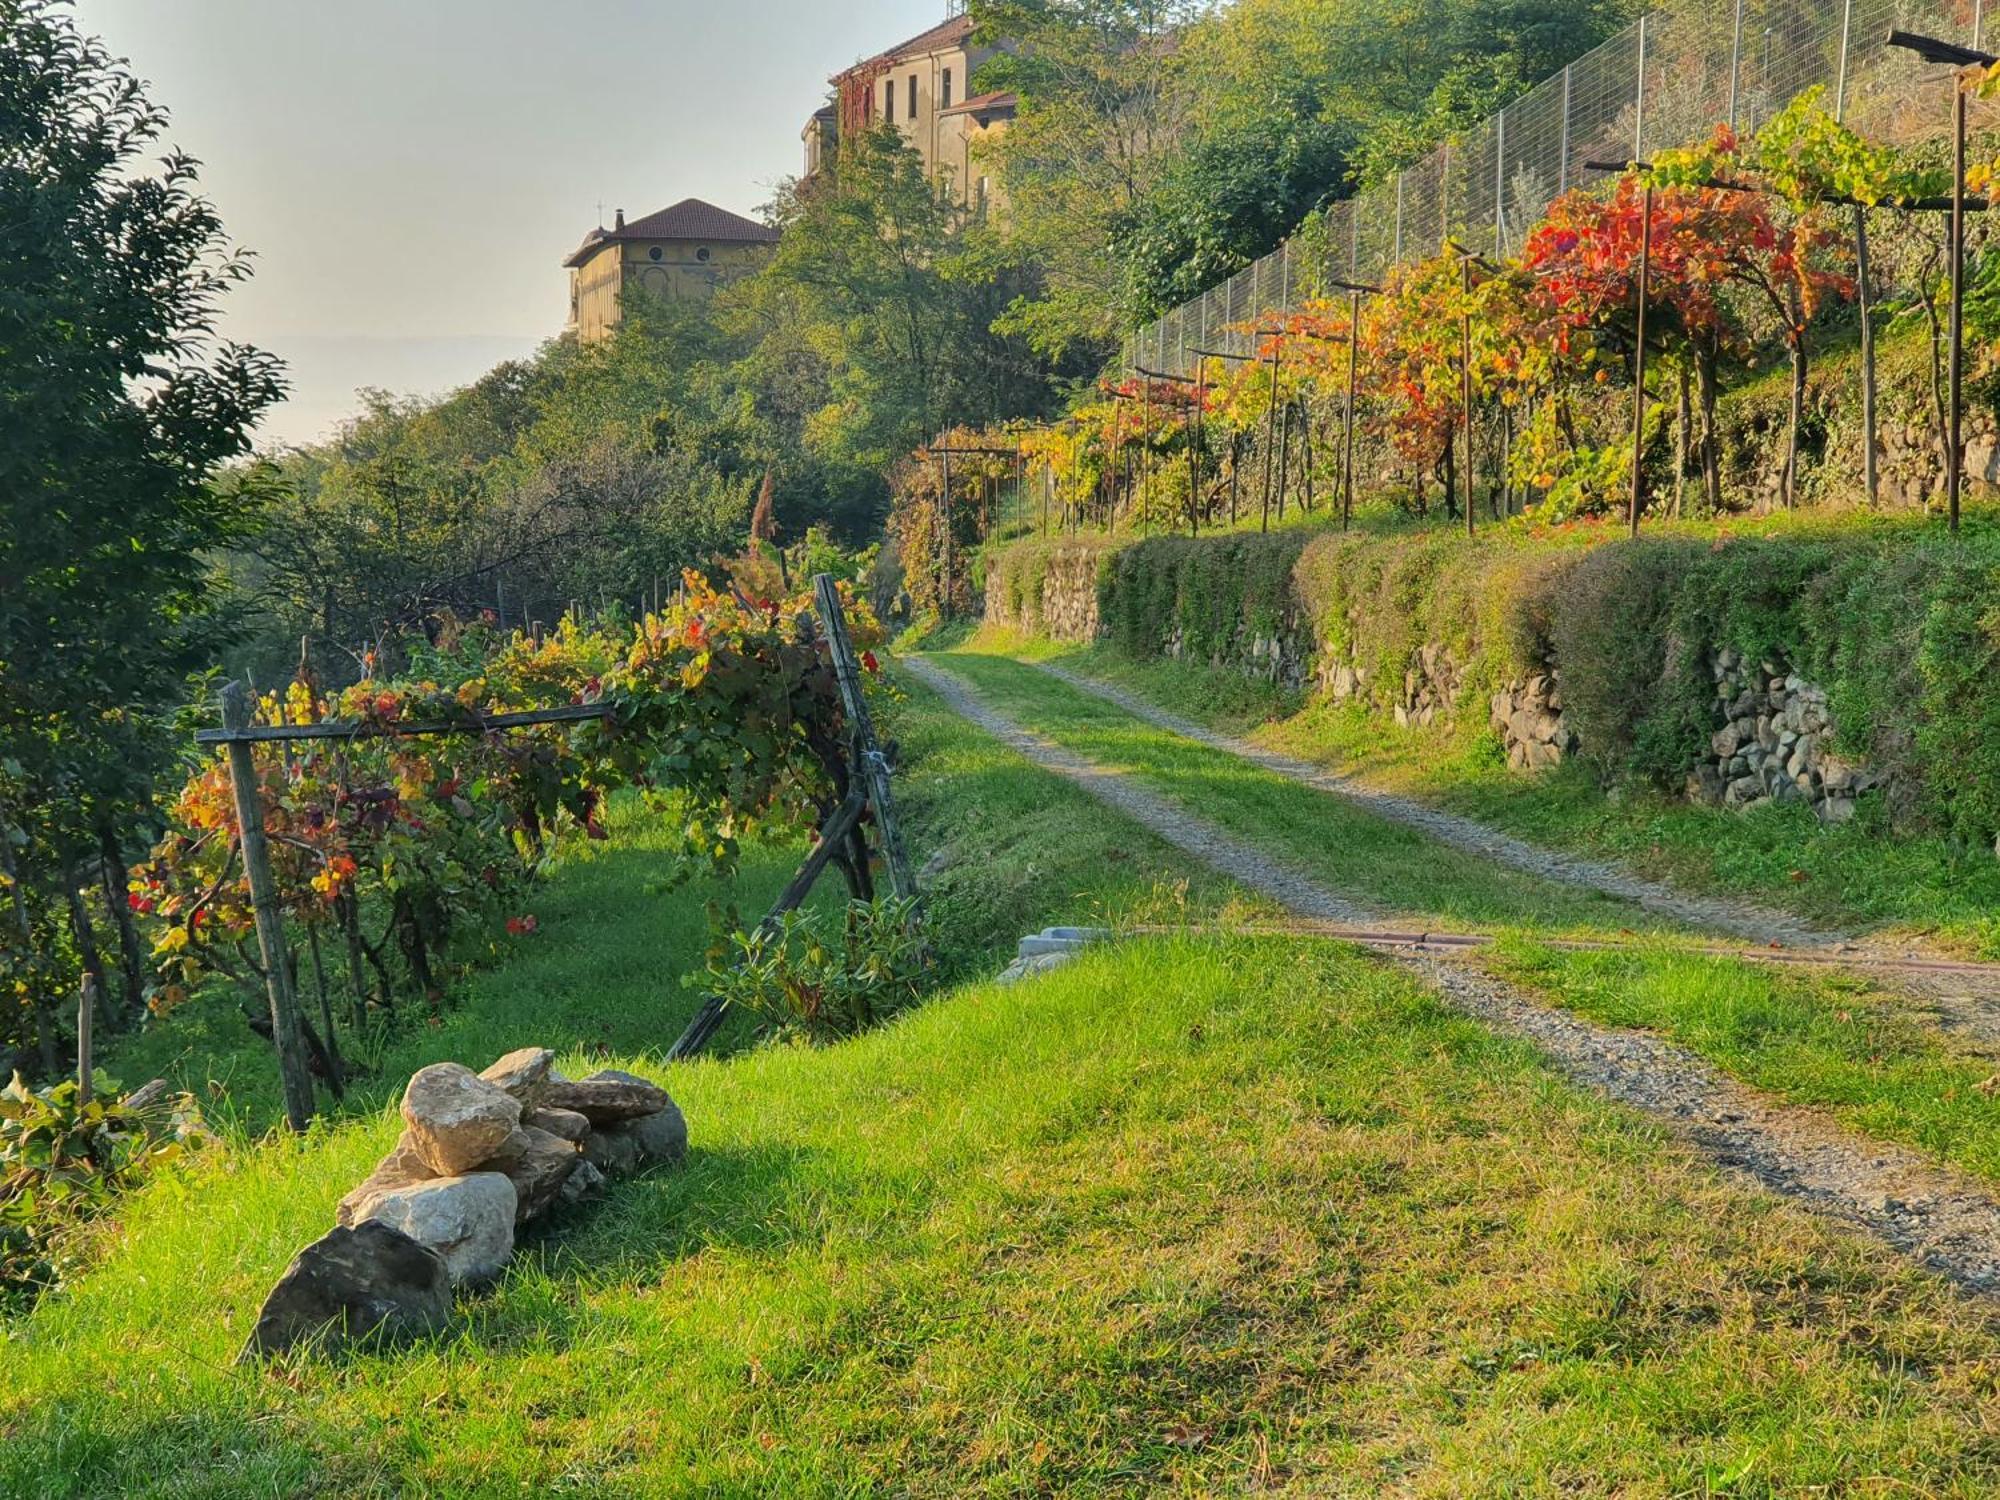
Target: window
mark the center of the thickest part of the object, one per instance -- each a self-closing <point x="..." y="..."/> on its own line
<point x="944" y="99"/>
<point x="656" y="253"/>
<point x="913" y="96"/>
<point x="702" y="254"/>
<point x="889" y="101"/>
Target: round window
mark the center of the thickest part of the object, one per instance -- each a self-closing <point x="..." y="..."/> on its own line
<point x="657" y="253"/>
<point x="702" y="253"/>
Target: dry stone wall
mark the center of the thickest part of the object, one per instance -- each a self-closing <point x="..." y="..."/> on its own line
<point x="1773" y="738"/>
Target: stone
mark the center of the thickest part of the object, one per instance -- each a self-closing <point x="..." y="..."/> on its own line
<point x="1548" y="729"/>
<point x="1724" y="741"/>
<point x="468" y="1221"/>
<point x="1837" y="810"/>
<point x="456" y="1118"/>
<point x="612" y="1151"/>
<point x="538" y="1164"/>
<point x="606" y="1098"/>
<point x="350" y="1284"/>
<point x="1706" y="786"/>
<point x="402" y="1168"/>
<point x="660" y="1139"/>
<point x="584" y="1184"/>
<point x="1745" y="791"/>
<point x="566" y="1123"/>
<point x="521" y="1073"/>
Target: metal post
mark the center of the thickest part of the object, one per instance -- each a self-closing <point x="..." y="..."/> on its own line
<point x="1399" y="218"/>
<point x="1639" y="360"/>
<point x="944" y="534"/>
<point x="1840" y="86"/>
<point x="1500" y="185"/>
<point x="1735" y="64"/>
<point x="1978" y="24"/>
<point x="1955" y="458"/>
<point x="266" y="903"/>
<point x="1353" y="386"/>
<point x="1562" y="169"/>
<point x="1639" y="99"/>
<point x="1271" y="431"/>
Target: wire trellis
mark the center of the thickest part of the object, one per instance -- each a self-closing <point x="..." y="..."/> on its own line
<point x="1665" y="81"/>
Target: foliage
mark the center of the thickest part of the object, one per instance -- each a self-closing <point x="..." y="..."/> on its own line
<point x="817" y="976"/>
<point x="63" y="1159"/>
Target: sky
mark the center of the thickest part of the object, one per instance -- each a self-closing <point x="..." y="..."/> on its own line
<point x="411" y="173"/>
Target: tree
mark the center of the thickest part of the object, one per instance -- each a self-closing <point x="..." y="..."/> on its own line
<point x="121" y="407"/>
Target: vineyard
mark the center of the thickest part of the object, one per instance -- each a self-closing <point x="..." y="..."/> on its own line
<point x="1586" y="373"/>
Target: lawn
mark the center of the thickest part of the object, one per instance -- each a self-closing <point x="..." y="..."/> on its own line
<point x="1812" y="1037"/>
<point x="1197" y="1214"/>
<point x="1860" y="876"/>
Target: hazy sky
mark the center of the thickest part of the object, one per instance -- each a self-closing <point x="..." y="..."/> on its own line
<point x="412" y="172"/>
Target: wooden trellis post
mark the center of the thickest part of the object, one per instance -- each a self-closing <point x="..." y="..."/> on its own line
<point x="265" y="901"/>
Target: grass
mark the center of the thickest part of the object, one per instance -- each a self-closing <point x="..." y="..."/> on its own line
<point x="1384" y="865"/>
<point x="1857" y="876"/>
<point x="1195" y="1215"/>
<point x="1822" y="1039"/>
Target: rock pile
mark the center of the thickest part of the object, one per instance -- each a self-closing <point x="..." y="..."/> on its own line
<point x="480" y="1155"/>
<point x="1528" y="717"/>
<point x="1775" y="744"/>
<point x="1430" y="688"/>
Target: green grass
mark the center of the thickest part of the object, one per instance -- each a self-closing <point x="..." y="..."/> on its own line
<point x="1857" y="876"/>
<point x="1381" y="864"/>
<point x="1812" y="1038"/>
<point x="1195" y="1215"/>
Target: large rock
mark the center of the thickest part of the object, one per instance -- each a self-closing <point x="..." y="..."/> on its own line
<point x="605" y="1098"/>
<point x="584" y="1184"/>
<point x="538" y="1164"/>
<point x="566" y="1123"/>
<point x="350" y="1284"/>
<point x="662" y="1138"/>
<point x="522" y="1073"/>
<point x="468" y="1221"/>
<point x="613" y="1151"/>
<point x="402" y="1168"/>
<point x="456" y="1118"/>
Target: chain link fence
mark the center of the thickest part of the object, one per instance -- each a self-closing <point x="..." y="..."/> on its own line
<point x="1665" y="81"/>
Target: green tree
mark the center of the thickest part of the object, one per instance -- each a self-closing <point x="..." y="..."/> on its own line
<point x="121" y="406"/>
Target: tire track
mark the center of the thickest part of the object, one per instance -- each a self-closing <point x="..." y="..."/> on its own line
<point x="1947" y="1219"/>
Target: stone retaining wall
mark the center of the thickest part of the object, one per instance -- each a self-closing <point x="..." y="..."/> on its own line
<point x="1772" y="743"/>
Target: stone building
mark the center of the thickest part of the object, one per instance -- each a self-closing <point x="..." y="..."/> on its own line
<point x="686" y="251"/>
<point x="922" y="87"/>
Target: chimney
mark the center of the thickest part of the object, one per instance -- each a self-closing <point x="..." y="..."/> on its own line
<point x="618" y="222"/>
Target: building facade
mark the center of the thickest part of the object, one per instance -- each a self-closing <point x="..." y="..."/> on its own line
<point x="922" y="87"/>
<point x="687" y="252"/>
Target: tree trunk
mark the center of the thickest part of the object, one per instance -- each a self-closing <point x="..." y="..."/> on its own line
<point x="1684" y="419"/>
<point x="1796" y="419"/>
<point x="85" y="933"/>
<point x="1711" y="444"/>
<point x="336" y="1069"/>
<point x="131" y="951"/>
<point x="45" y="1026"/>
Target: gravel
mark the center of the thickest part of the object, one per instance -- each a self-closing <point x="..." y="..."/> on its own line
<point x="1946" y="1219"/>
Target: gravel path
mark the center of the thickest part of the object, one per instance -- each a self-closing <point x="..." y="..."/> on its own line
<point x="1946" y="1219"/>
<point x="1715" y="915"/>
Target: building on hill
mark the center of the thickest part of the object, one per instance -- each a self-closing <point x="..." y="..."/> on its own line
<point x="922" y="87"/>
<point x="686" y="251"/>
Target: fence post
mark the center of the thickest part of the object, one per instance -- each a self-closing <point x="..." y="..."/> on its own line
<point x="1639" y="99"/>
<point x="1840" y="85"/>
<point x="1978" y="23"/>
<point x="1562" y="169"/>
<point x="265" y="901"/>
<point x="86" y="1008"/>
<point x="1735" y="63"/>
<point x="874" y="766"/>
<point x="1399" y="218"/>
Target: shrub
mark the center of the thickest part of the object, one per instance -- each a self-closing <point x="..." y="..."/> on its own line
<point x="64" y="1159"/>
<point x="801" y="980"/>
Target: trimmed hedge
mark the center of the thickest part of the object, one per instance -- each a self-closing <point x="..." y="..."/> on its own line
<point x="1899" y="623"/>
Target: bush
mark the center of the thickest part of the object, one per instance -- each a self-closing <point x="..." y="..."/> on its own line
<point x="799" y="980"/>
<point x="63" y="1160"/>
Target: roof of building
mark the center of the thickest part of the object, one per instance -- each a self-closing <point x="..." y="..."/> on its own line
<point x="985" y="104"/>
<point x="953" y="33"/>
<point x="689" y="219"/>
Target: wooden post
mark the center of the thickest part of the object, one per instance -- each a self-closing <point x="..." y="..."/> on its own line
<point x="1954" y="459"/>
<point x="1465" y="380"/>
<point x="86" y="1007"/>
<point x="1353" y="386"/>
<point x="870" y="764"/>
<point x="1271" y="432"/>
<point x="1639" y="361"/>
<point x="285" y="1031"/>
